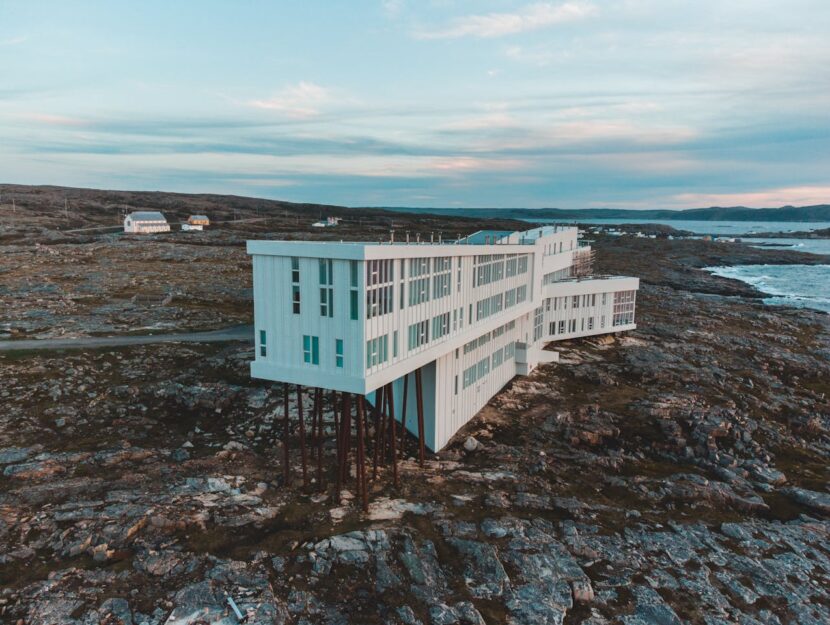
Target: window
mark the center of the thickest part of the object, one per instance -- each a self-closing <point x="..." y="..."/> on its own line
<point x="353" y="305"/>
<point x="522" y="268"/>
<point x="325" y="271"/>
<point x="510" y="350"/>
<point x="538" y="317"/>
<point x="469" y="376"/>
<point x="498" y="358"/>
<point x="263" y="351"/>
<point x="338" y="353"/>
<point x="295" y="285"/>
<point x="483" y="367"/>
<point x="326" y="302"/>
<point x="418" y="334"/>
<point x="575" y="301"/>
<point x="590" y="323"/>
<point x="441" y="264"/>
<point x="440" y="326"/>
<point x="562" y="327"/>
<point x="295" y="298"/>
<point x="377" y="351"/>
<point x="353" y="296"/>
<point x="326" y="290"/>
<point x="440" y="285"/>
<point x="418" y="290"/>
<point x="521" y="294"/>
<point x="510" y="298"/>
<point x="379" y="301"/>
<point x="395" y="344"/>
<point x="603" y="298"/>
<point x="418" y="267"/>
<point x="311" y="349"/>
<point x="456" y="384"/>
<point x="511" y="267"/>
<point x="379" y="272"/>
<point x="623" y="308"/>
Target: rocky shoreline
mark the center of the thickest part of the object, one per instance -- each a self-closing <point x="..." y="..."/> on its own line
<point x="677" y="474"/>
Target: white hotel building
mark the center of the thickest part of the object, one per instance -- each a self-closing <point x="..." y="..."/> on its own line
<point x="471" y="314"/>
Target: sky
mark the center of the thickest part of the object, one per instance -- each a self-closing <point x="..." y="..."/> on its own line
<point x="434" y="103"/>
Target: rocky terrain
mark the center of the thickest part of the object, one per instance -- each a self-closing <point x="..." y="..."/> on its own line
<point x="675" y="474"/>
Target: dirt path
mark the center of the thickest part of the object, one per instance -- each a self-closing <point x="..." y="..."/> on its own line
<point x="235" y="333"/>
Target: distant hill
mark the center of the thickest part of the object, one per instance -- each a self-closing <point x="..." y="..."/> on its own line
<point x="820" y="212"/>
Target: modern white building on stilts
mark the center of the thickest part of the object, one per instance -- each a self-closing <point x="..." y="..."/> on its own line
<point x="469" y="314"/>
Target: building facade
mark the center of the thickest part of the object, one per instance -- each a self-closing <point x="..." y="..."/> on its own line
<point x="471" y="315"/>
<point x="145" y="222"/>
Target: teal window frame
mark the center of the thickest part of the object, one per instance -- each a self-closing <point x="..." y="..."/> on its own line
<point x="311" y="349"/>
<point x="338" y="353"/>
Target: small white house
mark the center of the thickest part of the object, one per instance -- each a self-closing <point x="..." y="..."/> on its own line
<point x="145" y="222"/>
<point x="328" y="222"/>
<point x="192" y="227"/>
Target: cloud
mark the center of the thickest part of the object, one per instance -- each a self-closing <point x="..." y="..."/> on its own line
<point x="770" y="198"/>
<point x="55" y="120"/>
<point x="13" y="41"/>
<point x="531" y="17"/>
<point x="392" y="8"/>
<point x="302" y="100"/>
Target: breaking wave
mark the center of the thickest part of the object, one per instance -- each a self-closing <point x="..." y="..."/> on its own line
<point x="803" y="286"/>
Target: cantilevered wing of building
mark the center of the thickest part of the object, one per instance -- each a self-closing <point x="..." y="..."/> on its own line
<point x="467" y="315"/>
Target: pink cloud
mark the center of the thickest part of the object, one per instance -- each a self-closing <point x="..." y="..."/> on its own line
<point x="55" y="120"/>
<point x="770" y="198"/>
<point x="531" y="17"/>
<point x="301" y="100"/>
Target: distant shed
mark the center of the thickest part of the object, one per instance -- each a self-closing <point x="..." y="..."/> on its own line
<point x="198" y="220"/>
<point x="145" y="222"/>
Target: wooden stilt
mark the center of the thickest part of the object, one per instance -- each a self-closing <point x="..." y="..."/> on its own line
<point x="361" y="454"/>
<point x="419" y="396"/>
<point x="340" y="446"/>
<point x="376" y="419"/>
<point x="392" y="436"/>
<point x="335" y="419"/>
<point x="313" y="437"/>
<point x="403" y="411"/>
<point x="319" y="439"/>
<point x="286" y="433"/>
<point x="345" y="437"/>
<point x="303" y="454"/>
<point x="384" y="426"/>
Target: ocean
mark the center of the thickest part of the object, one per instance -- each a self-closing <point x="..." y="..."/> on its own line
<point x="814" y="246"/>
<point x="720" y="228"/>
<point x="803" y="286"/>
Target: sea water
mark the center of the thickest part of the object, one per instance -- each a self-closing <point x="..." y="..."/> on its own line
<point x="814" y="246"/>
<point x="719" y="228"/>
<point x="804" y="286"/>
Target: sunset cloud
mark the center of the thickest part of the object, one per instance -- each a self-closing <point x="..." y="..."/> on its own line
<point x="305" y="99"/>
<point x="769" y="198"/>
<point x="530" y="17"/>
